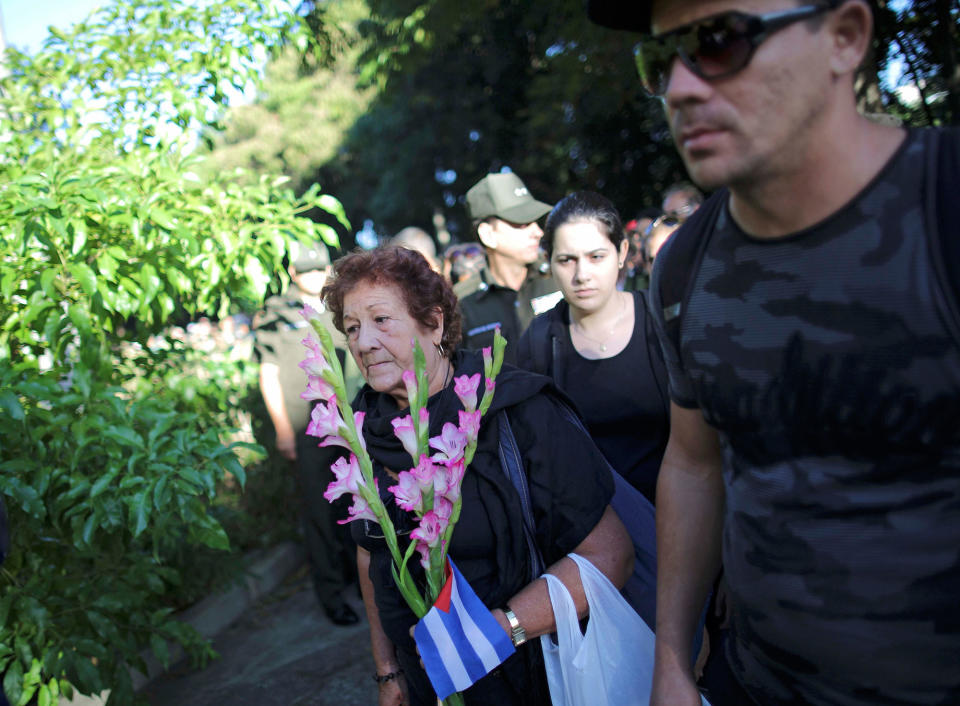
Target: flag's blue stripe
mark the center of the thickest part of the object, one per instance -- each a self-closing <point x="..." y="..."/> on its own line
<point x="472" y="663"/>
<point x="489" y="641"/>
<point x="452" y="660"/>
<point x="432" y="661"/>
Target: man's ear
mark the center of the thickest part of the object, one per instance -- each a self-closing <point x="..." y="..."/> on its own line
<point x="487" y="235"/>
<point x="851" y="29"/>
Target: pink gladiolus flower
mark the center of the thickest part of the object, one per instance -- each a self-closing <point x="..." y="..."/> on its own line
<point x="441" y="481"/>
<point x="443" y="509"/>
<point x="424" y="555"/>
<point x="348" y="478"/>
<point x="430" y="530"/>
<point x="407" y="492"/>
<point x="360" y="510"/>
<point x="313" y="344"/>
<point x="450" y="444"/>
<point x="424" y="472"/>
<point x="317" y="389"/>
<point x="325" y="419"/>
<point x="470" y="425"/>
<point x="308" y="312"/>
<point x="490" y="386"/>
<point x="487" y="360"/>
<point x="403" y="430"/>
<point x="358" y="425"/>
<point x="466" y="389"/>
<point x="455" y="472"/>
<point x="410" y="382"/>
<point x="314" y="365"/>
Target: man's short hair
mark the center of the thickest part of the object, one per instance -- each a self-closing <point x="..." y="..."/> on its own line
<point x="418" y="239"/>
<point x="694" y="197"/>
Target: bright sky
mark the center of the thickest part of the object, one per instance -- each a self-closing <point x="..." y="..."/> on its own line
<point x="25" y="22"/>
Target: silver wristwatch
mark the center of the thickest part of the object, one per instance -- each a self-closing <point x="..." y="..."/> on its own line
<point x="517" y="634"/>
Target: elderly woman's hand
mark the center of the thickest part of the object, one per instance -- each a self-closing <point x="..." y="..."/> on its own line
<point x="394" y="693"/>
<point x="608" y="547"/>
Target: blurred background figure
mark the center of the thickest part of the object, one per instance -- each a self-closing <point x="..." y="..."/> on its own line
<point x="463" y="260"/>
<point x="280" y="328"/>
<point x="413" y="238"/>
<point x="682" y="199"/>
<point x="633" y="276"/>
<point x="660" y="230"/>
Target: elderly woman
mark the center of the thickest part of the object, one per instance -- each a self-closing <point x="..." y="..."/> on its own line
<point x="382" y="300"/>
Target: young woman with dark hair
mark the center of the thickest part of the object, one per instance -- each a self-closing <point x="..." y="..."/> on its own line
<point x="598" y="343"/>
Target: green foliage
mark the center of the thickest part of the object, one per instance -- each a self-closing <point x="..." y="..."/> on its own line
<point x="300" y="121"/>
<point x="99" y="487"/>
<point x="115" y="448"/>
<point x="921" y="38"/>
<point x="465" y="88"/>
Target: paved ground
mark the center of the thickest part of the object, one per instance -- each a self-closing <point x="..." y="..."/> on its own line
<point x="282" y="652"/>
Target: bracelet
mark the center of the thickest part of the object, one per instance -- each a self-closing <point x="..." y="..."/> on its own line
<point x="384" y="678"/>
<point x="517" y="634"/>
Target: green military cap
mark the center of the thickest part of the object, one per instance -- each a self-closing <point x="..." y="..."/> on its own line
<point x="506" y="197"/>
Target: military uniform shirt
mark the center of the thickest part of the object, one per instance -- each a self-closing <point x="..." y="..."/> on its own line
<point x="486" y="306"/>
<point x="279" y="333"/>
<point x="824" y="362"/>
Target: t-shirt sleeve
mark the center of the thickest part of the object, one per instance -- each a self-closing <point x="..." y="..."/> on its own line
<point x="570" y="480"/>
<point x="681" y="390"/>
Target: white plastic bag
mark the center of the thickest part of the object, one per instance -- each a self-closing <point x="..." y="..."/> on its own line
<point x="610" y="665"/>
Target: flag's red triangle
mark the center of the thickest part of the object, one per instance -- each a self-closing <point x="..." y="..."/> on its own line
<point x="443" y="600"/>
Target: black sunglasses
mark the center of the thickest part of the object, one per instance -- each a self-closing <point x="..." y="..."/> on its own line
<point x="714" y="47"/>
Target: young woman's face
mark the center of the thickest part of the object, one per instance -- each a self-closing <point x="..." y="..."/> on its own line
<point x="585" y="264"/>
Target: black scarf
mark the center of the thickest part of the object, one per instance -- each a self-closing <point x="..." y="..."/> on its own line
<point x="513" y="386"/>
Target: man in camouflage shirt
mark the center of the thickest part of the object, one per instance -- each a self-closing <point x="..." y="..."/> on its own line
<point x="815" y="377"/>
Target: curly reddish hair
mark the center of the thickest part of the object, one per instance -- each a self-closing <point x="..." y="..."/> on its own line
<point x="424" y="290"/>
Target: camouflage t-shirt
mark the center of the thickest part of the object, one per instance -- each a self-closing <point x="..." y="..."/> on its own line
<point x="824" y="361"/>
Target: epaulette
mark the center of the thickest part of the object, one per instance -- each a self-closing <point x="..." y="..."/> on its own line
<point x="474" y="283"/>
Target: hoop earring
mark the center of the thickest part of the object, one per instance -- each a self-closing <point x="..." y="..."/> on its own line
<point x="440" y="351"/>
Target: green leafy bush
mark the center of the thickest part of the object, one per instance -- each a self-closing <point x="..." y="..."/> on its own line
<point x="114" y="450"/>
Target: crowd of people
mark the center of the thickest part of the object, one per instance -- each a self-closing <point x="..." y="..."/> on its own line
<point x="775" y="368"/>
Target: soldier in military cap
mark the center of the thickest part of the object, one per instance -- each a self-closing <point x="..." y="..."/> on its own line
<point x="280" y="328"/>
<point x="511" y="289"/>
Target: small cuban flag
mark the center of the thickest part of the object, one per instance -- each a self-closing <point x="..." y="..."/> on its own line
<point x="459" y="639"/>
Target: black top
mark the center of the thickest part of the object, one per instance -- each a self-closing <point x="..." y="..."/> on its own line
<point x="623" y="399"/>
<point x="570" y="488"/>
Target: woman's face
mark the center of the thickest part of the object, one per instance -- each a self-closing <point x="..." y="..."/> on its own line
<point x="380" y="332"/>
<point x="585" y="264"/>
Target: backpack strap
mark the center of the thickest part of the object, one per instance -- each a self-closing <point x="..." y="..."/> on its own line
<point x="539" y="338"/>
<point x="686" y="251"/>
<point x="512" y="464"/>
<point x="943" y="216"/>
